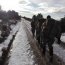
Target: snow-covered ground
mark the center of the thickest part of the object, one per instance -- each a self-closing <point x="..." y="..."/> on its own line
<point x="12" y="32"/>
<point x="21" y="52"/>
<point x="58" y="50"/>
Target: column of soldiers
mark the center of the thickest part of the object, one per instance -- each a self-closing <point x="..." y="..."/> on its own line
<point x="46" y="30"/>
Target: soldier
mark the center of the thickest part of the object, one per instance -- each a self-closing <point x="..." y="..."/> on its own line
<point x="48" y="36"/>
<point x="38" y="32"/>
<point x="38" y="26"/>
<point x="33" y="24"/>
<point x="40" y="20"/>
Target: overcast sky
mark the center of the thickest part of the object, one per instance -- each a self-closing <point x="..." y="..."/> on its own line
<point x="55" y="8"/>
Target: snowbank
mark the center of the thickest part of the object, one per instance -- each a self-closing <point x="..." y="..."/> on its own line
<point x="6" y="42"/>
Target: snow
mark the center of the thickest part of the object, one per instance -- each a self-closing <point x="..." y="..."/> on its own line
<point x="57" y="49"/>
<point x="6" y="42"/>
<point x="21" y="52"/>
<point x="63" y="37"/>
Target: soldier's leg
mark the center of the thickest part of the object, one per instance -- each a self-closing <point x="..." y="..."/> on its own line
<point x="38" y="38"/>
<point x="44" y="48"/>
<point x="50" y="50"/>
<point x="51" y="53"/>
<point x="59" y="41"/>
<point x="58" y="36"/>
<point x="33" y="33"/>
<point x="50" y="45"/>
<point x="41" y="40"/>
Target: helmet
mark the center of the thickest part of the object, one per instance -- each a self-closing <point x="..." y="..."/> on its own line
<point x="48" y="16"/>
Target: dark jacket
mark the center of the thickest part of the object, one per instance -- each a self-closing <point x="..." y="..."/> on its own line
<point x="50" y="25"/>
